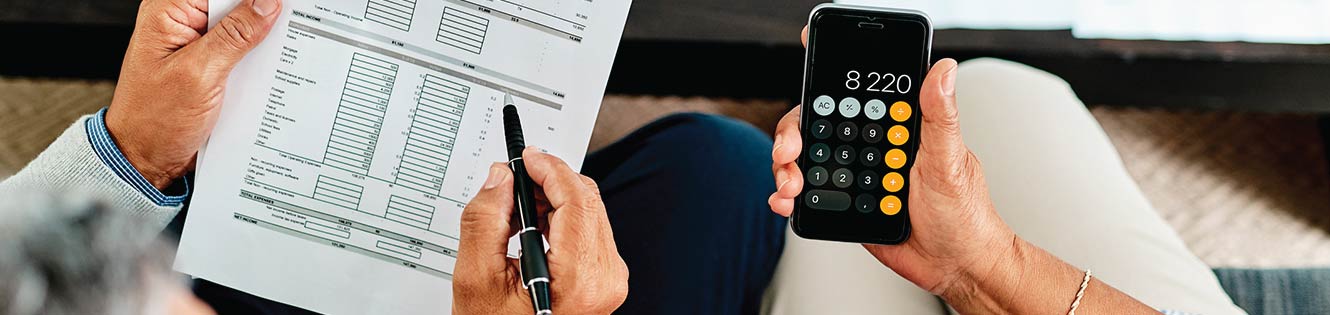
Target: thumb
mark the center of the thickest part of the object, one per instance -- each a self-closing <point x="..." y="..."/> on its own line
<point x="940" y="134"/>
<point x="485" y="224"/>
<point x="238" y="33"/>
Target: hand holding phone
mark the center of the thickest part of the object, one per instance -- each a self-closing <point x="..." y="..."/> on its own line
<point x="953" y="226"/>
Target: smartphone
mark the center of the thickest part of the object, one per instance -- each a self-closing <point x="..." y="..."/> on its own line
<point x="860" y="122"/>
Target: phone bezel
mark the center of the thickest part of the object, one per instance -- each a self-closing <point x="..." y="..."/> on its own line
<point x="890" y="13"/>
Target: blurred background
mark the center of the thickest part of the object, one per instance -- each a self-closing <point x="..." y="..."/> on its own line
<point x="1218" y="108"/>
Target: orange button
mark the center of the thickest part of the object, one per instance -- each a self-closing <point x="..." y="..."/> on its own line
<point x="893" y="182"/>
<point x="898" y="135"/>
<point x="900" y="111"/>
<point x="891" y="205"/>
<point x="895" y="159"/>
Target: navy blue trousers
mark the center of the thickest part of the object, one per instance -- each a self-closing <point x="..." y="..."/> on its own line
<point x="687" y="199"/>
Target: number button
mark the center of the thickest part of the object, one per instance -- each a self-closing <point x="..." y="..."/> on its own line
<point x="818" y="176"/>
<point x="821" y="129"/>
<point x="893" y="182"/>
<point x="849" y="107"/>
<point x="842" y="178"/>
<point x="875" y="109"/>
<point x="847" y="131"/>
<point x="865" y="203"/>
<point x="827" y="200"/>
<point x="873" y="133"/>
<point x="870" y="156"/>
<point x="867" y="180"/>
<point x="845" y="155"/>
<point x="898" y="135"/>
<point x="819" y="152"/>
<point x="900" y="111"/>
<point x="891" y="205"/>
<point x="824" y="105"/>
<point x="895" y="159"/>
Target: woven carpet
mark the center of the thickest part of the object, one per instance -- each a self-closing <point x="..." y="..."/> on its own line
<point x="1242" y="189"/>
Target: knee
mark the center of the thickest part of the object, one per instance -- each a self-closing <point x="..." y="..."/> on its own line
<point x="715" y="149"/>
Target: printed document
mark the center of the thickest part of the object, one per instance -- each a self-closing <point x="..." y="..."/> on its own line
<point x="351" y="139"/>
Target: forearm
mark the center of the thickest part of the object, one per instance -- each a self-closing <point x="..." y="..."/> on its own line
<point x="74" y="167"/>
<point x="1029" y="280"/>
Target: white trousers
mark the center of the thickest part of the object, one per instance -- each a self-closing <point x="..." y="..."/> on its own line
<point x="1055" y="178"/>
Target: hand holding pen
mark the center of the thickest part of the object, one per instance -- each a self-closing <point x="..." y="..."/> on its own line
<point x="586" y="274"/>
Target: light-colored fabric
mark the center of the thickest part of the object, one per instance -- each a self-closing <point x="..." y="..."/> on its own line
<point x="70" y="167"/>
<point x="1055" y="178"/>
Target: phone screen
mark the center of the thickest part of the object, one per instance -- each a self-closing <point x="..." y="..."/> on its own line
<point x="860" y="123"/>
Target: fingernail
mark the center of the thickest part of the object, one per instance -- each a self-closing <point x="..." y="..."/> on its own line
<point x="779" y="142"/>
<point x="782" y="179"/>
<point x="265" y="7"/>
<point x="949" y="82"/>
<point x="497" y="175"/>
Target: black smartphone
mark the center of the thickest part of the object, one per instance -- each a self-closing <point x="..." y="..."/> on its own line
<point x="860" y="122"/>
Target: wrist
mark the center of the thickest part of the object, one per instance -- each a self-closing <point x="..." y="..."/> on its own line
<point x="141" y="156"/>
<point x="1023" y="279"/>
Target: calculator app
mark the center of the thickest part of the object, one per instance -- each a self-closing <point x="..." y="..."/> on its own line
<point x="860" y="124"/>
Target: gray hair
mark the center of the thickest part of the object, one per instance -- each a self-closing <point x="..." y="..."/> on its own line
<point x="64" y="258"/>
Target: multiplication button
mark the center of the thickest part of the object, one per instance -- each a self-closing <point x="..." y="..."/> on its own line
<point x="824" y="105"/>
<point x="849" y="107"/>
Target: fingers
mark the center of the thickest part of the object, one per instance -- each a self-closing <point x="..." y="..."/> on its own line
<point x="940" y="134"/>
<point x="485" y="224"/>
<point x="238" y="33"/>
<point x="788" y="141"/>
<point x="563" y="187"/>
<point x="804" y="36"/>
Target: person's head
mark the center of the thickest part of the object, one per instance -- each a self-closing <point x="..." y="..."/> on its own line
<point x="59" y="257"/>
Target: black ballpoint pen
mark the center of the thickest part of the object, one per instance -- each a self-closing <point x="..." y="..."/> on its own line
<point x="535" y="270"/>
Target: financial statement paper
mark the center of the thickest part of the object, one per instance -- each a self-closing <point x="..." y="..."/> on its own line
<point x="351" y="139"/>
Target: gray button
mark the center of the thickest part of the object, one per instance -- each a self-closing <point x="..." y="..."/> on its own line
<point x="827" y="200"/>
<point x="845" y="154"/>
<point x="865" y="203"/>
<point x="824" y="105"/>
<point x="817" y="176"/>
<point x="847" y="131"/>
<point x="819" y="152"/>
<point x="842" y="178"/>
<point x="875" y="109"/>
<point x="849" y="107"/>
<point x="821" y="129"/>
<point x="873" y="133"/>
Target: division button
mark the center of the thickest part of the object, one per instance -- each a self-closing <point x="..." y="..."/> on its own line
<point x="898" y="135"/>
<point x="893" y="182"/>
<point x="824" y="105"/>
<point x="895" y="158"/>
<point x="817" y="176"/>
<point x="821" y="129"/>
<point x="865" y="203"/>
<point x="849" y="107"/>
<point x="875" y="109"/>
<point x="821" y="152"/>
<point x="900" y="111"/>
<point x="891" y="205"/>
<point x="842" y="178"/>
<point x="827" y="200"/>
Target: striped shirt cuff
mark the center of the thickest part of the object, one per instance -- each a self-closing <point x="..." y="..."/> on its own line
<point x="114" y="159"/>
